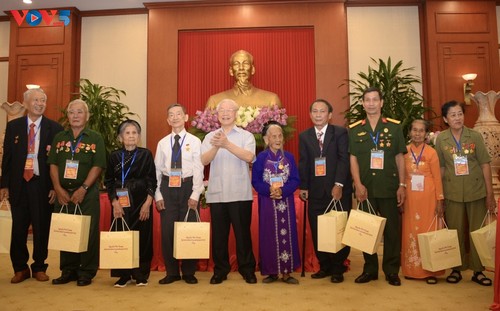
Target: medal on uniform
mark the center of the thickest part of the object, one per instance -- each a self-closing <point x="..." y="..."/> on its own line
<point x="280" y="166"/>
<point x="123" y="197"/>
<point x="175" y="178"/>
<point x="71" y="169"/>
<point x="320" y="166"/>
<point x="461" y="165"/>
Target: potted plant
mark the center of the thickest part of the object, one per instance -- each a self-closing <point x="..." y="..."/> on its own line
<point x="105" y="109"/>
<point x="401" y="100"/>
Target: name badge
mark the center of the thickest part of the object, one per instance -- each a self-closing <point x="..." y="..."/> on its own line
<point x="175" y="178"/>
<point x="417" y="182"/>
<point x="377" y="160"/>
<point x="276" y="182"/>
<point x="30" y="160"/>
<point x="320" y="166"/>
<point x="123" y="197"/>
<point x="461" y="165"/>
<point x="71" y="169"/>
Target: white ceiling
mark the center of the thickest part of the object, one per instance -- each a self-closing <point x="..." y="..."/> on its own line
<point x="82" y="5"/>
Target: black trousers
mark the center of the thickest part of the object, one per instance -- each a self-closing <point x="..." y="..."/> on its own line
<point x="32" y="208"/>
<point x="239" y="215"/>
<point x="176" y="206"/>
<point x="329" y="262"/>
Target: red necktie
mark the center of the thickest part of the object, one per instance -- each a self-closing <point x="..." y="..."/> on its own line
<point x="319" y="141"/>
<point x="28" y="172"/>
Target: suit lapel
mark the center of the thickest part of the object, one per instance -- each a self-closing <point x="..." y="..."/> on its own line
<point x="314" y="140"/>
<point x="330" y="133"/>
<point x="44" y="132"/>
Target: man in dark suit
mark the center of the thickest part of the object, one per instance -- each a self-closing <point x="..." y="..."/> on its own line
<point x="324" y="174"/>
<point x="26" y="183"/>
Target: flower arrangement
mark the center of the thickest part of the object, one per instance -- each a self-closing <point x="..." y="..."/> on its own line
<point x="249" y="118"/>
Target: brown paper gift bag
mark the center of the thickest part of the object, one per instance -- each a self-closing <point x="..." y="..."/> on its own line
<point x="5" y="227"/>
<point x="191" y="239"/>
<point x="331" y="227"/>
<point x="439" y="249"/>
<point x="364" y="230"/>
<point x="119" y="249"/>
<point x="69" y="232"/>
<point x="484" y="240"/>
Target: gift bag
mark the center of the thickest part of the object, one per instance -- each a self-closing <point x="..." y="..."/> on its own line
<point x="119" y="249"/>
<point x="191" y="239"/>
<point x="484" y="240"/>
<point x="364" y="230"/>
<point x="331" y="227"/>
<point x="439" y="249"/>
<point x="69" y="232"/>
<point x="5" y="227"/>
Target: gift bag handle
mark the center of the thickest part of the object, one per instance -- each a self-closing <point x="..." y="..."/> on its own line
<point x="77" y="208"/>
<point x="334" y="206"/>
<point x="371" y="210"/>
<point x="115" y="223"/>
<point x="187" y="215"/>
<point x="489" y="216"/>
<point x="435" y="223"/>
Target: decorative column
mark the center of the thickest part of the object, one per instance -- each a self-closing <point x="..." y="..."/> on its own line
<point x="488" y="125"/>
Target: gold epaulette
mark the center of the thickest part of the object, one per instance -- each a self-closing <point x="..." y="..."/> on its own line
<point x="393" y="120"/>
<point x="355" y="123"/>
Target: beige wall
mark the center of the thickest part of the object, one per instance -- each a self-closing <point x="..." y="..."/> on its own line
<point x="380" y="32"/>
<point x="114" y="53"/>
<point x="4" y="70"/>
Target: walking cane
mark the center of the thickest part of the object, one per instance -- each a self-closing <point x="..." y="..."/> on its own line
<point x="304" y="239"/>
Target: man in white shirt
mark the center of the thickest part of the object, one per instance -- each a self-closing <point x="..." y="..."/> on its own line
<point x="229" y="150"/>
<point x="179" y="173"/>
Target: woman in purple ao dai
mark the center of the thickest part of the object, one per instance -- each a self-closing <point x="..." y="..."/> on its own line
<point x="275" y="178"/>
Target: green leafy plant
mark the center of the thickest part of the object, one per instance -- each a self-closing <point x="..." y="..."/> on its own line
<point x="401" y="100"/>
<point x="106" y="111"/>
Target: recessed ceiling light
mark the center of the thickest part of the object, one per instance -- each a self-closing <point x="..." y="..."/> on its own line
<point x="27" y="1"/>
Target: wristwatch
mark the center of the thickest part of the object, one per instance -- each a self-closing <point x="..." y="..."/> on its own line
<point x="84" y="186"/>
<point x="402" y="184"/>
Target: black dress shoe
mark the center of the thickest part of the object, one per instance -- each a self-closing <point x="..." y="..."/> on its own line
<point x="250" y="278"/>
<point x="393" y="279"/>
<point x="65" y="278"/>
<point x="217" y="279"/>
<point x="190" y="279"/>
<point x="82" y="281"/>
<point x="365" y="278"/>
<point x="321" y="274"/>
<point x="337" y="278"/>
<point x="169" y="279"/>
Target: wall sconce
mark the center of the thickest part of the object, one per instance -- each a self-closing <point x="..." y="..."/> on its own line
<point x="469" y="78"/>
<point x="32" y="86"/>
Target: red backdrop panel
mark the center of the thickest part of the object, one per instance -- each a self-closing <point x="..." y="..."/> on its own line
<point x="283" y="59"/>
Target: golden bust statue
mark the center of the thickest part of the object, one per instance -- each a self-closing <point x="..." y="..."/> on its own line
<point x="243" y="92"/>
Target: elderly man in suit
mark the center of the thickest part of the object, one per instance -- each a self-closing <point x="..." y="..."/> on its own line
<point x="26" y="183"/>
<point x="324" y="174"/>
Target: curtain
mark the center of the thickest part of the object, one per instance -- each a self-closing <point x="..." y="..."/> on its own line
<point x="283" y="59"/>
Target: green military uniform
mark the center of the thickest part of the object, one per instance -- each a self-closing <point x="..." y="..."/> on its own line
<point x="89" y="151"/>
<point x="464" y="194"/>
<point x="381" y="184"/>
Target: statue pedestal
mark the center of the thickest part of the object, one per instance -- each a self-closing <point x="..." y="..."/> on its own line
<point x="489" y="127"/>
<point x="14" y="111"/>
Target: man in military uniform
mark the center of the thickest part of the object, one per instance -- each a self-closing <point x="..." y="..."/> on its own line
<point x="377" y="149"/>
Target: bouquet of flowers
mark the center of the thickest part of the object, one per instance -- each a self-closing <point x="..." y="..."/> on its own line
<point x="249" y="118"/>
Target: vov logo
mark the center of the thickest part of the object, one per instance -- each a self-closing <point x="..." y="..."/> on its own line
<point x="35" y="17"/>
